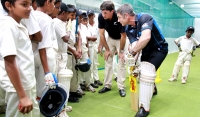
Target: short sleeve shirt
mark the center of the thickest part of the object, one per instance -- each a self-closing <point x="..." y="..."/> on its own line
<point x="145" y="21"/>
<point x="14" y="40"/>
<point x="60" y="29"/>
<point x="187" y="43"/>
<point x="46" y="25"/>
<point x="83" y="31"/>
<point x="72" y="39"/>
<point x="93" y="31"/>
<point x="113" y="27"/>
<point x="31" y="24"/>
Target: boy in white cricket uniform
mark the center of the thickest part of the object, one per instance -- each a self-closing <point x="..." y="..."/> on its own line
<point x="17" y="63"/>
<point x="45" y="56"/>
<point x="92" y="43"/>
<point x="75" y="46"/>
<point x="85" y="76"/>
<point x="34" y="32"/>
<point x="185" y="44"/>
<point x="62" y="38"/>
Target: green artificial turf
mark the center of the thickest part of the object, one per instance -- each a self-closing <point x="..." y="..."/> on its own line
<point x="173" y="100"/>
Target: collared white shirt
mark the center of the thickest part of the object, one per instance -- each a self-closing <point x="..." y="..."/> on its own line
<point x="72" y="39"/>
<point x="31" y="24"/>
<point x="46" y="24"/>
<point x="60" y="29"/>
<point x="187" y="43"/>
<point x="93" y="31"/>
<point x="84" y="32"/>
<point x="14" y="40"/>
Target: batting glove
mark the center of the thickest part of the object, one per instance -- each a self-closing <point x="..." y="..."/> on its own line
<point x="69" y="25"/>
<point x="50" y="80"/>
<point x="129" y="60"/>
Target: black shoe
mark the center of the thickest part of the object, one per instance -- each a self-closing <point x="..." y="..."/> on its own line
<point x="115" y="79"/>
<point x="155" y="92"/>
<point x="104" y="89"/>
<point x="73" y="99"/>
<point x="122" y="93"/>
<point x="83" y="87"/>
<point x="98" y="82"/>
<point x="142" y="113"/>
<point x="78" y="95"/>
<point x="94" y="85"/>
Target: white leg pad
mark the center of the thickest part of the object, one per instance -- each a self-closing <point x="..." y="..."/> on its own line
<point x="147" y="72"/>
<point x="146" y="91"/>
<point x="147" y="77"/>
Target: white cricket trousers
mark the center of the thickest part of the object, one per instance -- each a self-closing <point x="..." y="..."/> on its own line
<point x="2" y="97"/>
<point x="94" y="59"/>
<point x="71" y="62"/>
<point x="84" y="76"/>
<point x="39" y="71"/>
<point x="13" y="103"/>
<point x="184" y="59"/>
<point x="114" y="45"/>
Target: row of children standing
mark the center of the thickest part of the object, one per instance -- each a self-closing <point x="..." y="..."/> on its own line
<point x="36" y="43"/>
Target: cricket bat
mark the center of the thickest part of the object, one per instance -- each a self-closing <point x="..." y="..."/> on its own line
<point x="134" y="88"/>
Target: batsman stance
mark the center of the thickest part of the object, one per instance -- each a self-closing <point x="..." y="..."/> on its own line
<point x="143" y="27"/>
<point x="186" y="45"/>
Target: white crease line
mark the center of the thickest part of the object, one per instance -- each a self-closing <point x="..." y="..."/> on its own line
<point x="113" y="106"/>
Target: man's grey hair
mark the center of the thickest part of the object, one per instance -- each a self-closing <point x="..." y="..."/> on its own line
<point x="126" y="8"/>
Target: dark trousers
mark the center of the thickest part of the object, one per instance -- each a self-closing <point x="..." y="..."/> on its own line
<point x="154" y="57"/>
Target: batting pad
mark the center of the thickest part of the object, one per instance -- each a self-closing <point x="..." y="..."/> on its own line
<point x="147" y="77"/>
<point x="147" y="72"/>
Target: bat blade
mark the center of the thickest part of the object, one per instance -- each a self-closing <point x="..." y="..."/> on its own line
<point x="134" y="91"/>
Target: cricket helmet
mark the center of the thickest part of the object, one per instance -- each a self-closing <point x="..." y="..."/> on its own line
<point x="53" y="101"/>
<point x="83" y="66"/>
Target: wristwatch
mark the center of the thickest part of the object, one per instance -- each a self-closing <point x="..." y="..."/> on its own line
<point x="121" y="51"/>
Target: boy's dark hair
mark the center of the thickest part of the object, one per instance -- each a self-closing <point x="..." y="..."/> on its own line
<point x="57" y="1"/>
<point x="40" y="3"/>
<point x="107" y="5"/>
<point x="12" y="2"/>
<point x="71" y="8"/>
<point x="33" y="1"/>
<point x="66" y="8"/>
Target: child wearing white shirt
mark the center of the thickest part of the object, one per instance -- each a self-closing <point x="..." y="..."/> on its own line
<point x="17" y="62"/>
<point x="45" y="55"/>
<point x="85" y="76"/>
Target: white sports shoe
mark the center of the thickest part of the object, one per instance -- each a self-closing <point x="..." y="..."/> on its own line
<point x="91" y="89"/>
<point x="183" y="81"/>
<point x="172" y="79"/>
<point x="68" y="108"/>
<point x="80" y="90"/>
<point x="63" y="114"/>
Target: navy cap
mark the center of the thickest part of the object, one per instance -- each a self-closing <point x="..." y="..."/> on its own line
<point x="78" y="12"/>
<point x="84" y="15"/>
<point x="190" y="28"/>
<point x="90" y="12"/>
<point x="63" y="7"/>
